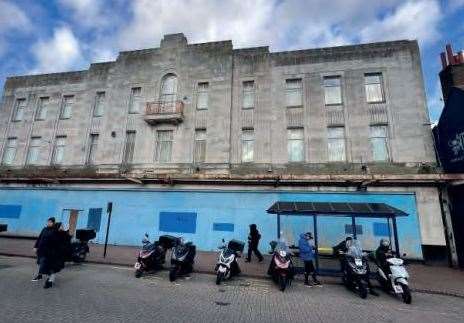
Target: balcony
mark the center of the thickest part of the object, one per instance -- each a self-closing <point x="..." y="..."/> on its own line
<point x="164" y="112"/>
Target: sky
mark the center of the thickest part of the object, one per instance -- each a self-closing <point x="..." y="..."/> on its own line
<point x="45" y="36"/>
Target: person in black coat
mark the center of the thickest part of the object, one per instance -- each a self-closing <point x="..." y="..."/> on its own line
<point x="253" y="241"/>
<point x="64" y="246"/>
<point x="47" y="249"/>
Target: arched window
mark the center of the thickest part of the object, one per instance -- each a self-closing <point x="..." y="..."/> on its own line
<point x="168" y="89"/>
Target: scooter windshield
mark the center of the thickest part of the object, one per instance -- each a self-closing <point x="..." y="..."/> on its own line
<point x="354" y="248"/>
<point x="282" y="246"/>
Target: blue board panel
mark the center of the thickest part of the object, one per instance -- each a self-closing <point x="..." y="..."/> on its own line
<point x="10" y="211"/>
<point x="380" y="229"/>
<point x="223" y="227"/>
<point x="182" y="222"/>
<point x="349" y="229"/>
<point x="94" y="220"/>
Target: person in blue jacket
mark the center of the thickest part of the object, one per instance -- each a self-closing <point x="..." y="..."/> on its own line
<point x="307" y="254"/>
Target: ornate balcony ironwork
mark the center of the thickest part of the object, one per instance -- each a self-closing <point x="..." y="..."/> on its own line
<point x="164" y="112"/>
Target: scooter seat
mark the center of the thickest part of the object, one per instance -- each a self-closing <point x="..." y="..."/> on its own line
<point x="395" y="261"/>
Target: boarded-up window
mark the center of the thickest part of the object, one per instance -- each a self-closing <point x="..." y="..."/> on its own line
<point x="42" y="108"/>
<point x="20" y="108"/>
<point x="129" y="145"/>
<point x="248" y="142"/>
<point x="92" y="149"/>
<point x="294" y="92"/>
<point x="379" y="143"/>
<point x="200" y="146"/>
<point x="59" y="150"/>
<point x="66" y="108"/>
<point x="248" y="95"/>
<point x="33" y="151"/>
<point x="168" y="89"/>
<point x="164" y="146"/>
<point x="295" y="145"/>
<point x="374" y="87"/>
<point x="9" y="152"/>
<point x="332" y="90"/>
<point x="203" y="96"/>
<point x="99" y="104"/>
<point x="336" y="144"/>
<point x="135" y="100"/>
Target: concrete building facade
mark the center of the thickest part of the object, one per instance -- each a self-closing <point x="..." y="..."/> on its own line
<point x="199" y="118"/>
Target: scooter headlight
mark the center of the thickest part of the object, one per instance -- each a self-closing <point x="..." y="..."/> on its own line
<point x="282" y="253"/>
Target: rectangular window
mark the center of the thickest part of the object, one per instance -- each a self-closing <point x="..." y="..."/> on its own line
<point x="94" y="219"/>
<point x="374" y="87"/>
<point x="135" y="100"/>
<point x="129" y="145"/>
<point x="379" y="143"/>
<point x="91" y="152"/>
<point x="66" y="109"/>
<point x="248" y="95"/>
<point x="294" y="93"/>
<point x="248" y="142"/>
<point x="20" y="107"/>
<point x="200" y="146"/>
<point x="332" y="90"/>
<point x="295" y="145"/>
<point x="59" y="150"/>
<point x="99" y="107"/>
<point x="9" y="152"/>
<point x="34" y="151"/>
<point x="202" y="96"/>
<point x="336" y="144"/>
<point x="42" y="108"/>
<point x="164" y="146"/>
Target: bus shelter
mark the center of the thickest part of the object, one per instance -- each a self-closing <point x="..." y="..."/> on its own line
<point x="339" y="209"/>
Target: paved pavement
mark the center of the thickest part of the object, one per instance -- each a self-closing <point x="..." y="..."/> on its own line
<point x="423" y="278"/>
<point x="105" y="293"/>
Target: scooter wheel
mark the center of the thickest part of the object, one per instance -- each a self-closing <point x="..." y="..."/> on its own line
<point x="219" y="278"/>
<point x="362" y="290"/>
<point x="407" y="298"/>
<point x="172" y="274"/>
<point x="138" y="274"/>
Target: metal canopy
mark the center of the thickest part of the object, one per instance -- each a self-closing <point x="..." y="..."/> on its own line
<point x="366" y="210"/>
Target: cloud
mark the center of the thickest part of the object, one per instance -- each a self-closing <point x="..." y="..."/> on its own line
<point x="59" y="53"/>
<point x="411" y="20"/>
<point x="87" y="13"/>
<point x="12" y="19"/>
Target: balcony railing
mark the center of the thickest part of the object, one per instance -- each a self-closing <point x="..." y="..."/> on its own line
<point x="164" y="112"/>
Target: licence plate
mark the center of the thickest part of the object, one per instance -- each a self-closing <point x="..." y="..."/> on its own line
<point x="137" y="265"/>
<point x="358" y="262"/>
<point x="398" y="289"/>
<point x="222" y="269"/>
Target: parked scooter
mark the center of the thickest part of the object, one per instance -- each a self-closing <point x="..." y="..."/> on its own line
<point x="182" y="259"/>
<point x="395" y="278"/>
<point x="79" y="248"/>
<point x="281" y="266"/>
<point x="153" y="254"/>
<point x="227" y="265"/>
<point x="355" y="270"/>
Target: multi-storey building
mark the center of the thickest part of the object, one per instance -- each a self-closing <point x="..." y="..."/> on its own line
<point x="200" y="139"/>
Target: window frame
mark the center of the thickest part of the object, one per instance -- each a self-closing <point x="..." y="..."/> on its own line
<point x="19" y="107"/>
<point x="293" y="140"/>
<point x="246" y="142"/>
<point x="92" y="148"/>
<point x="381" y="85"/>
<point x="202" y="146"/>
<point x="7" y="147"/>
<point x="160" y="143"/>
<point x="247" y="91"/>
<point x="204" y="91"/>
<point x="99" y="104"/>
<point x="56" y="147"/>
<point x="339" y="86"/>
<point x="42" y="107"/>
<point x="337" y="139"/>
<point x="29" y="150"/>
<point x="134" y="100"/>
<point x="386" y="143"/>
<point x="64" y="105"/>
<point x="129" y="147"/>
<point x="294" y="89"/>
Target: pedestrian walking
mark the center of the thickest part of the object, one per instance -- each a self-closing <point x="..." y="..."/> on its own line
<point x="47" y="251"/>
<point x="307" y="254"/>
<point x="64" y="246"/>
<point x="253" y="242"/>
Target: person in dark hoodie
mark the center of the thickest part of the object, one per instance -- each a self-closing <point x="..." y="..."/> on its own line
<point x="253" y="241"/>
<point x="46" y="248"/>
<point x="64" y="246"/>
<point x="307" y="254"/>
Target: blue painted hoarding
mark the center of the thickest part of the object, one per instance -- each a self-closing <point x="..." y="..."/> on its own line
<point x="204" y="217"/>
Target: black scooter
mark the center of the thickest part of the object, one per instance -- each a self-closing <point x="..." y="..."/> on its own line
<point x="80" y="248"/>
<point x="153" y="255"/>
<point x="182" y="259"/>
<point x="355" y="269"/>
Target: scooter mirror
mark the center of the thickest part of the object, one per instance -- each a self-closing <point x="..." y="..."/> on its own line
<point x="146" y="235"/>
<point x="223" y="240"/>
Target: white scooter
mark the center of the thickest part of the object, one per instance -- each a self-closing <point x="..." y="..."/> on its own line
<point x="397" y="280"/>
<point x="227" y="266"/>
